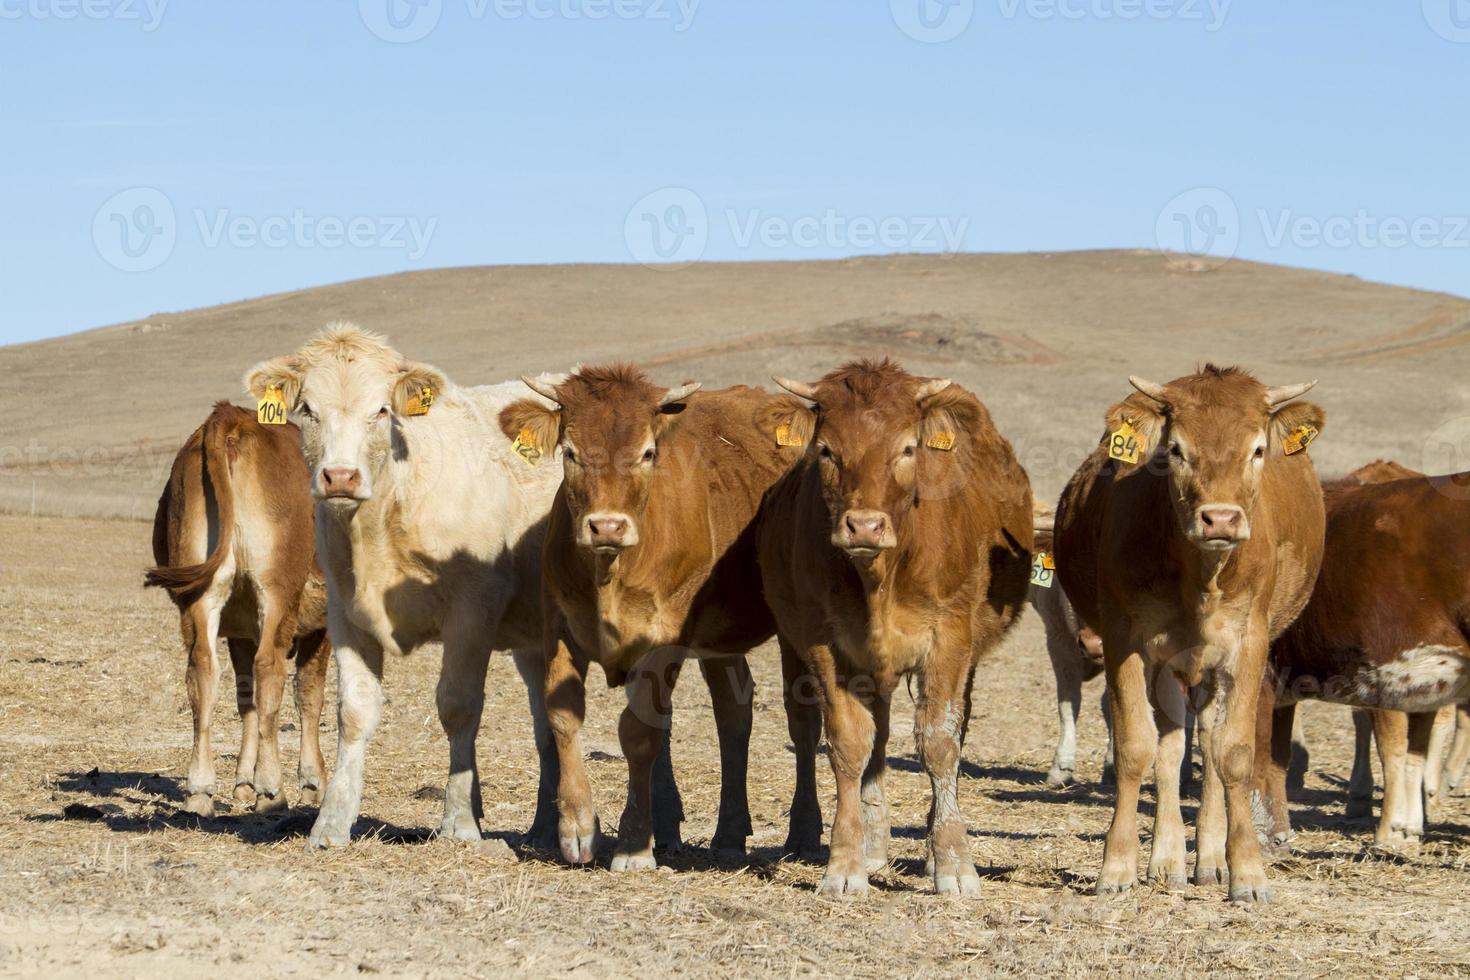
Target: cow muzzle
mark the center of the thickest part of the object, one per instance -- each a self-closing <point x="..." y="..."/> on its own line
<point x="608" y="534"/>
<point x="864" y="533"/>
<point x="1220" y="527"/>
<point x="340" y="483"/>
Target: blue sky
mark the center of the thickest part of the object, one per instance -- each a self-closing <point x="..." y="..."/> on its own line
<point x="166" y="154"/>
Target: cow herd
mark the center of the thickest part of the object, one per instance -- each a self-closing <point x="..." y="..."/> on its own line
<point x="873" y="522"/>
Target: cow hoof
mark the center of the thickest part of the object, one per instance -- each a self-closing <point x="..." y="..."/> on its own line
<point x="328" y="831"/>
<point x="965" y="885"/>
<point x="460" y="828"/>
<point x="634" y="862"/>
<point x="579" y="848"/>
<point x="1175" y="882"/>
<point x="1206" y="874"/>
<point x="1111" y="885"/>
<point x="1358" y="809"/>
<point x="1058" y="778"/>
<point x="244" y="792"/>
<point x="311" y="795"/>
<point x="270" y="803"/>
<point x="836" y="883"/>
<point x="803" y="846"/>
<point x="1248" y="894"/>
<point x="199" y="804"/>
<point x="728" y="845"/>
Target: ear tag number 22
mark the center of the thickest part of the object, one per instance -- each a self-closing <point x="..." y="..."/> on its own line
<point x="1125" y="445"/>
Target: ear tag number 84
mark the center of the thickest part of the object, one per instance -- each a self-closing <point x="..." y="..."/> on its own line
<point x="1125" y="445"/>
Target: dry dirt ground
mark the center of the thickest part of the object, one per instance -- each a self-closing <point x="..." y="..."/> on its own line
<point x="100" y="876"/>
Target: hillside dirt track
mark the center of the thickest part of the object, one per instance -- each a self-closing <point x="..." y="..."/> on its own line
<point x="93" y="715"/>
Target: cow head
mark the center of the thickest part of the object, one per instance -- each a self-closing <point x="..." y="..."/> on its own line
<point x="1215" y="431"/>
<point x="348" y="391"/>
<point x="608" y="422"/>
<point x="883" y="441"/>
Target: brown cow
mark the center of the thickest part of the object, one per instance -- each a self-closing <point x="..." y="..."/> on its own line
<point x="647" y="561"/>
<point x="1189" y="553"/>
<point x="1388" y="628"/>
<point x="900" y="546"/>
<point x="233" y="540"/>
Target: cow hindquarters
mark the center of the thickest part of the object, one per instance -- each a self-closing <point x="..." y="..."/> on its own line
<point x="732" y="694"/>
<point x="359" y="709"/>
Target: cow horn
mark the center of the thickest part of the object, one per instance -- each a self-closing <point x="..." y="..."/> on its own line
<point x="1280" y="396"/>
<point x="930" y="388"/>
<point x="678" y="394"/>
<point x="798" y="388"/>
<point x="1152" y="389"/>
<point x="546" y="385"/>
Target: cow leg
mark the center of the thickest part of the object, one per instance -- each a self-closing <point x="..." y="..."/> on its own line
<point x="1390" y="729"/>
<point x="242" y="658"/>
<point x="460" y="698"/>
<point x="939" y="721"/>
<point x="850" y="729"/>
<point x="1135" y="741"/>
<point x="1209" y="830"/>
<point x="1454" y="772"/>
<point x="270" y="689"/>
<point x="1279" y="751"/>
<point x="877" y="828"/>
<point x="359" y="708"/>
<point x="732" y="693"/>
<point x="542" y="834"/>
<point x="649" y="688"/>
<point x="668" y="804"/>
<point x="1444" y="727"/>
<point x="1301" y="759"/>
<point x="565" y="690"/>
<point x="313" y="651"/>
<point x="199" y="624"/>
<point x="1360" y="784"/>
<point x="1066" y="668"/>
<point x="1416" y="784"/>
<point x="799" y="689"/>
<point x="1234" y="761"/>
<point x="1166" y="862"/>
<point x="1110" y="762"/>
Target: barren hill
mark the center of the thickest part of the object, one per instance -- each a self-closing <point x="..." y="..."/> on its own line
<point x="1047" y="340"/>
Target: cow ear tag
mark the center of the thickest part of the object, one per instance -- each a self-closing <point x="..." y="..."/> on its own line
<point x="1124" y="444"/>
<point x="526" y="448"/>
<point x="943" y="441"/>
<point x="271" y="409"/>
<point x="420" y="403"/>
<point x="784" y="436"/>
<point x="1300" y="438"/>
<point x="1043" y="570"/>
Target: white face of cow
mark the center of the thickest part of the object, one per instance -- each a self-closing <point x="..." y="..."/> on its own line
<point x="349" y="408"/>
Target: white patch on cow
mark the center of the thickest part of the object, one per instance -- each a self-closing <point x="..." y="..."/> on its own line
<point x="1422" y="679"/>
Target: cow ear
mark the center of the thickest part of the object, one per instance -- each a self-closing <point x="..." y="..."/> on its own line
<point x="537" y="427"/>
<point x="1294" y="417"/>
<point x="414" y="380"/>
<point x="278" y="372"/>
<point x="1144" y="414"/>
<point x="949" y="415"/>
<point x="788" y="421"/>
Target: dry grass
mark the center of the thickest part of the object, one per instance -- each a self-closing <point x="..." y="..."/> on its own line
<point x="92" y="715"/>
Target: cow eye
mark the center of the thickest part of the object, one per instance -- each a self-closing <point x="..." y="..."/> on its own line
<point x="306" y="411"/>
<point x="1260" y="452"/>
<point x="908" y="450"/>
<point x="1175" y="451"/>
<point x="824" y="452"/>
<point x="383" y="412"/>
<point x="569" y="454"/>
<point x="648" y="454"/>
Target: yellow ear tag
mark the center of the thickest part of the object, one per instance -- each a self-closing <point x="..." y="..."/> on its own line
<point x="420" y="403"/>
<point x="1043" y="569"/>
<point x="526" y="448"/>
<point x="1124" y="444"/>
<point x="943" y="441"/>
<point x="271" y="409"/>
<point x="1300" y="438"/>
<point x="785" y="438"/>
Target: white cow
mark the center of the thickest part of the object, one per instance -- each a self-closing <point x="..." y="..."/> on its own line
<point x="429" y="527"/>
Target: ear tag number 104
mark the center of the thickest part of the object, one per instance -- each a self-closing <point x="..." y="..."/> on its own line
<point x="1124" y="444"/>
<point x="271" y="409"/>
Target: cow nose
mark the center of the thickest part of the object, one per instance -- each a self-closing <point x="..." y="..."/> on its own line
<point x="607" y="532"/>
<point x="1221" y="523"/>
<point x="341" y="481"/>
<point x="865" y="528"/>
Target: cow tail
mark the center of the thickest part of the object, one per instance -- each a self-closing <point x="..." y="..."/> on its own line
<point x="186" y="581"/>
